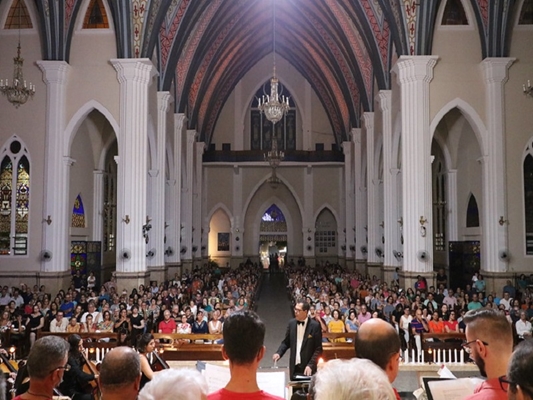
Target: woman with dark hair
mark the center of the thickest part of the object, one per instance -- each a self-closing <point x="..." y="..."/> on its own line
<point x="75" y="381"/>
<point x="137" y="323"/>
<point x="145" y="345"/>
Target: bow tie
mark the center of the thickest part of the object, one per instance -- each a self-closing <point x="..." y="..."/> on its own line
<point x="300" y="322"/>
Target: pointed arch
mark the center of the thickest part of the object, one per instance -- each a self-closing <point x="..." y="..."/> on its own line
<point x="79" y="117"/>
<point x="471" y="116"/>
<point x="18" y="16"/>
<point x="78" y="213"/>
<point x="326" y="206"/>
<point x="96" y="16"/>
<point x="224" y="208"/>
<point x="472" y="212"/>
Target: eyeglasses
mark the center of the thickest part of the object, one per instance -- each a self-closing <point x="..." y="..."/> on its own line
<point x="297" y="309"/>
<point x="466" y="345"/>
<point x="505" y="383"/>
<point x="66" y="367"/>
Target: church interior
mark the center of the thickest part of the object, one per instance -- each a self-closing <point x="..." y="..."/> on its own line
<point x="141" y="138"/>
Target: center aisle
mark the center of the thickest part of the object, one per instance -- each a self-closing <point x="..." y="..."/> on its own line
<point x="274" y="308"/>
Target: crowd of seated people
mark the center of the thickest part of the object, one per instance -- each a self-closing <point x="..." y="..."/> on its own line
<point x="196" y="302"/>
<point x="342" y="300"/>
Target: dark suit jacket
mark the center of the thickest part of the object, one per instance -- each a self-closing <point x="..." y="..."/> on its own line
<point x="311" y="345"/>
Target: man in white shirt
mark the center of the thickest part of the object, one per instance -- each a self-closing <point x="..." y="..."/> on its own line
<point x="450" y="299"/>
<point x="4" y="298"/>
<point x="59" y="324"/>
<point x="506" y="301"/>
<point x="97" y="316"/>
<point x="523" y="326"/>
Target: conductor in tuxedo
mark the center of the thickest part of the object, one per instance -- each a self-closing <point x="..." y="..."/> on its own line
<point x="304" y="338"/>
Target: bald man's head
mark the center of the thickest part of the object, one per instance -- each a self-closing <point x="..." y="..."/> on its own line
<point x="120" y="368"/>
<point x="378" y="341"/>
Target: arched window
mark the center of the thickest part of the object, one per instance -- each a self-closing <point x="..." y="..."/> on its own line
<point x="528" y="200"/>
<point x="439" y="208"/>
<point x="326" y="232"/>
<point x="15" y="198"/>
<point x="472" y="213"/>
<point x="18" y="16"/>
<point x="454" y="13"/>
<point x="273" y="220"/>
<point x="526" y="14"/>
<point x="78" y="213"/>
<point x="262" y="129"/>
<point x="95" y="17"/>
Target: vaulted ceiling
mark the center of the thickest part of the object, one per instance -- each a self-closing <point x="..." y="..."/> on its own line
<point x="343" y="48"/>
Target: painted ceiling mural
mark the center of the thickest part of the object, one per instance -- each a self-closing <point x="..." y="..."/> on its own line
<point x="343" y="48"/>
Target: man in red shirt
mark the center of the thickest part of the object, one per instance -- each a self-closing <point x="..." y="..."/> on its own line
<point x="489" y="341"/>
<point x="243" y="334"/>
<point x="168" y="325"/>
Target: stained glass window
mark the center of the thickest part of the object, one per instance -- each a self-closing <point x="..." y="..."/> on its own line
<point x="18" y="16"/>
<point x="96" y="17"/>
<point x="472" y="213"/>
<point x="78" y="213"/>
<point x="14" y="199"/>
<point x="526" y="14"/>
<point x="262" y="129"/>
<point x="454" y="13"/>
<point x="273" y="220"/>
<point x="6" y="182"/>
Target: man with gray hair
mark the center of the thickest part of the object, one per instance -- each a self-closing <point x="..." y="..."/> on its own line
<point x="120" y="374"/>
<point x="354" y="379"/>
<point x="47" y="362"/>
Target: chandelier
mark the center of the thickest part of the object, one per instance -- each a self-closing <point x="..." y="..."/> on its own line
<point x="18" y="92"/>
<point x="273" y="106"/>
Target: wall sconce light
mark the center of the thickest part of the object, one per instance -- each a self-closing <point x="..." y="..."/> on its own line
<point x="382" y="224"/>
<point x="48" y="220"/>
<point x="126" y="219"/>
<point x="309" y="230"/>
<point x="423" y="221"/>
<point x="237" y="230"/>
<point x="502" y="221"/>
<point x="528" y="90"/>
<point x="400" y="221"/>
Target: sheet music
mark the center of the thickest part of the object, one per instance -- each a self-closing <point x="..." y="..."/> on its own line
<point x="271" y="382"/>
<point x="453" y="389"/>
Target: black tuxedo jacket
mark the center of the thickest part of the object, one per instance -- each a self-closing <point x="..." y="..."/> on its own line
<point x="311" y="345"/>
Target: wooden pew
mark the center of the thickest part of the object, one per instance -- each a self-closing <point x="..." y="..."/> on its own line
<point x="444" y="341"/>
<point x="343" y="350"/>
<point x="189" y="347"/>
<point x="97" y="344"/>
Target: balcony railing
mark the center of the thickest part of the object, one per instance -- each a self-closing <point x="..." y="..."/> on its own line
<point x="259" y="155"/>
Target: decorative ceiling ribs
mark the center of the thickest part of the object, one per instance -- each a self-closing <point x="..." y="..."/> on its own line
<point x="343" y="48"/>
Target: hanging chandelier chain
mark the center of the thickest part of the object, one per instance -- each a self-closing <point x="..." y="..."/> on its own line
<point x="18" y="92"/>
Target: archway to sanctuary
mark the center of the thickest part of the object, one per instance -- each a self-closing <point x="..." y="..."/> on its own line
<point x="457" y="197"/>
<point x="273" y="239"/>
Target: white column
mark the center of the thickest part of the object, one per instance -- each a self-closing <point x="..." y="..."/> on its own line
<point x="174" y="208"/>
<point x="495" y="238"/>
<point x="157" y="177"/>
<point x="361" y="216"/>
<point x="187" y="188"/>
<point x="236" y="225"/>
<point x="349" y="197"/>
<point x="451" y="205"/>
<point x="134" y="76"/>
<point x="199" y="201"/>
<point x="373" y="228"/>
<point x="56" y="175"/>
<point x="98" y="205"/>
<point x="390" y="193"/>
<point x="414" y="75"/>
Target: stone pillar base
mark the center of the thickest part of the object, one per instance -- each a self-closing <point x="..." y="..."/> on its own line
<point x="388" y="274"/>
<point x="408" y="278"/>
<point x="54" y="281"/>
<point x="360" y="266"/>
<point x="186" y="266"/>
<point x="236" y="261"/>
<point x="375" y="269"/>
<point x="350" y="264"/>
<point x="172" y="270"/>
<point x="495" y="281"/>
<point x="158" y="273"/>
<point x="131" y="280"/>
